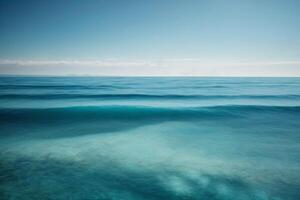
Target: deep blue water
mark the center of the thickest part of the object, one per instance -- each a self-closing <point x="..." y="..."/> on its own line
<point x="149" y="138"/>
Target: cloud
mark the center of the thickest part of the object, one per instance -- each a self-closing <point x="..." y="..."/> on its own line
<point x="117" y="62"/>
<point x="158" y="67"/>
<point x="99" y="63"/>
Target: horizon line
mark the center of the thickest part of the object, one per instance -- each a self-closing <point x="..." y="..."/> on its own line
<point x="145" y="76"/>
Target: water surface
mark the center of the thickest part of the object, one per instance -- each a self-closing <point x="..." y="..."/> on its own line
<point x="149" y="138"/>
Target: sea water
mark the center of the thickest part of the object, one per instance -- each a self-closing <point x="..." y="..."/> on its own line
<point x="149" y="138"/>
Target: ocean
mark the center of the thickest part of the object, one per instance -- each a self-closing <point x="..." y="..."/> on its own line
<point x="129" y="138"/>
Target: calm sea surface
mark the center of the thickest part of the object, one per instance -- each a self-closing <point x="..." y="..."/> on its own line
<point x="89" y="138"/>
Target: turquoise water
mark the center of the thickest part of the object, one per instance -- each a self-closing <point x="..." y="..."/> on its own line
<point x="149" y="138"/>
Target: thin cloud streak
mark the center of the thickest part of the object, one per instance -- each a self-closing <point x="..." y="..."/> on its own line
<point x="159" y="67"/>
<point x="104" y="63"/>
<point x="118" y="63"/>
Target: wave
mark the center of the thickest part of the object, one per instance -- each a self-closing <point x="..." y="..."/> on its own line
<point x="140" y="113"/>
<point x="142" y="96"/>
<point x="62" y="87"/>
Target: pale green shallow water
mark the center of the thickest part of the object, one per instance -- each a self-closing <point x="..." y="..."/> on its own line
<point x="149" y="138"/>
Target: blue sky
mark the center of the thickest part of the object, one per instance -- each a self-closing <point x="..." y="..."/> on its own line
<point x="150" y="37"/>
